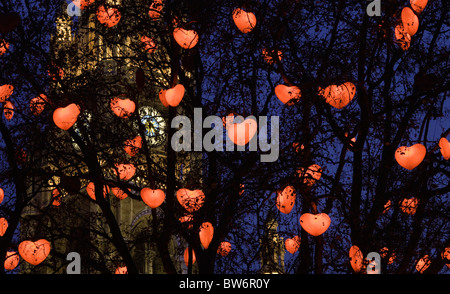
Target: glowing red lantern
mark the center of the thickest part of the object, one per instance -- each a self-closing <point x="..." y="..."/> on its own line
<point x="123" y="108"/>
<point x="403" y="38"/>
<point x="289" y="95"/>
<point x="187" y="39"/>
<point x="173" y="96"/>
<point x="11" y="260"/>
<point x="418" y="5"/>
<point x="292" y="244"/>
<point x="315" y="224"/>
<point x="410" y="157"/>
<point x="155" y="9"/>
<point x="56" y="197"/>
<point x="121" y="270"/>
<point x="356" y="258"/>
<point x="186" y="256"/>
<point x="3" y="226"/>
<point x="409" y="206"/>
<point x="119" y="193"/>
<point x="206" y="234"/>
<point x="4" y="46"/>
<point x="410" y="21"/>
<point x="241" y="133"/>
<point x="311" y="175"/>
<point x="5" y="92"/>
<point x="149" y="44"/>
<point x="153" y="198"/>
<point x="245" y="21"/>
<point x="82" y="4"/>
<point x="286" y="199"/>
<point x="65" y="117"/>
<point x="190" y="200"/>
<point x="224" y="248"/>
<point x="338" y="96"/>
<point x="444" y="145"/>
<point x="133" y="146"/>
<point x="2" y="195"/>
<point x="90" y="190"/>
<point x="34" y="252"/>
<point x="125" y="171"/>
<point x="109" y="17"/>
<point x="423" y="263"/>
<point x="8" y="110"/>
<point x="37" y="104"/>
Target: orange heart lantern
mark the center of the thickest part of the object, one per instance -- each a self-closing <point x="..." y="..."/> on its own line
<point x="292" y="244"/>
<point x="191" y="200"/>
<point x="11" y="260"/>
<point x="444" y="145"/>
<point x="245" y="21"/>
<point x="133" y="146"/>
<point x="34" y="252"/>
<point x="315" y="224"/>
<point x="410" y="157"/>
<point x="108" y="17"/>
<point x="338" y="96"/>
<point x="242" y="133"/>
<point x="410" y="21"/>
<point x="3" y="226"/>
<point x="224" y="248"/>
<point x="206" y="234"/>
<point x="90" y="190"/>
<point x="289" y="95"/>
<point x="123" y="108"/>
<point x="286" y="199"/>
<point x="187" y="39"/>
<point x="153" y="198"/>
<point x="5" y="92"/>
<point x="125" y="171"/>
<point x="65" y="117"/>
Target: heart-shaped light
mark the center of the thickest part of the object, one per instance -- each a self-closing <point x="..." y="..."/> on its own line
<point x="289" y="95"/>
<point x="186" y="256"/>
<point x="245" y="21"/>
<point x="121" y="270"/>
<point x="11" y="260"/>
<point x="444" y="144"/>
<point x="339" y="96"/>
<point x="108" y="17"/>
<point x="90" y="190"/>
<point x="356" y="258"/>
<point x="410" y="157"/>
<point x="191" y="200"/>
<point x="37" y="104"/>
<point x="292" y="244"/>
<point x="174" y="95"/>
<point x="119" y="193"/>
<point x="123" y="108"/>
<point x="3" y="226"/>
<point x="224" y="248"/>
<point x="65" y="117"/>
<point x="418" y="5"/>
<point x="410" y="21"/>
<point x="155" y="9"/>
<point x="149" y="44"/>
<point x="133" y="146"/>
<point x="311" y="175"/>
<point x="206" y="234"/>
<point x="34" y="252"/>
<point x="315" y="224"/>
<point x="242" y="133"/>
<point x="5" y="92"/>
<point x="153" y="198"/>
<point x="286" y="199"/>
<point x="4" y="46"/>
<point x="8" y="110"/>
<point x="125" y="171"/>
<point x="409" y="206"/>
<point x="187" y="39"/>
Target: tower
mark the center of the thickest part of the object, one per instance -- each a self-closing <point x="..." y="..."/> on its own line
<point x="271" y="248"/>
<point x="92" y="64"/>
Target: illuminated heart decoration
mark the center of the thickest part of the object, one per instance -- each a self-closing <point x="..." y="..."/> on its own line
<point x="109" y="17"/>
<point x="410" y="157"/>
<point x="125" y="171"/>
<point x="121" y="270"/>
<point x="5" y="92"/>
<point x="187" y="39"/>
<point x="186" y="256"/>
<point x="409" y="206"/>
<point x="155" y="9"/>
<point x="245" y="21"/>
<point x="34" y="252"/>
<point x="37" y="104"/>
<point x="315" y="224"/>
<point x="149" y="44"/>
<point x="174" y="95"/>
<point x="311" y="175"/>
<point x="339" y="96"/>
<point x="292" y="244"/>
<point x="418" y="5"/>
<point x="242" y="133"/>
<point x="224" y="248"/>
<point x="123" y="108"/>
<point x="206" y="234"/>
<point x="4" y="46"/>
<point x="444" y="144"/>
<point x="289" y="95"/>
<point x="286" y="199"/>
<point x="90" y="190"/>
<point x="153" y="198"/>
<point x="65" y="117"/>
<point x="8" y="110"/>
<point x="133" y="146"/>
<point x="410" y="21"/>
<point x="356" y="258"/>
<point x="3" y="226"/>
<point x="11" y="260"/>
<point x="191" y="200"/>
<point x="2" y="195"/>
<point x="119" y="193"/>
